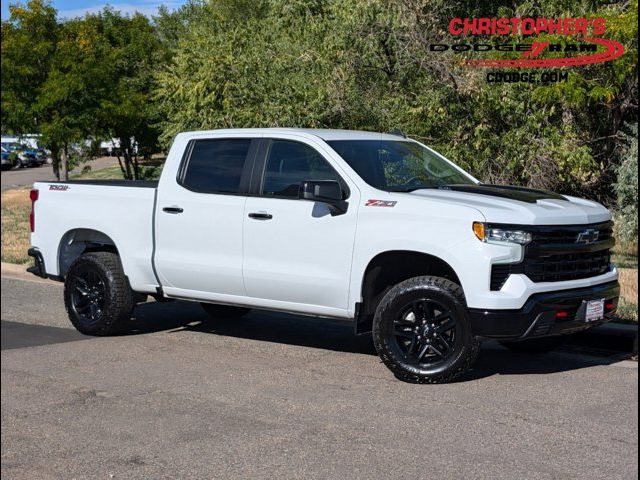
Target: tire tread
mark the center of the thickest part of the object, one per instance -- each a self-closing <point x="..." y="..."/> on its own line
<point x="470" y="352"/>
<point x="119" y="295"/>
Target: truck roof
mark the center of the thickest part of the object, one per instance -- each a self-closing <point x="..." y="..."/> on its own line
<point x="325" y="134"/>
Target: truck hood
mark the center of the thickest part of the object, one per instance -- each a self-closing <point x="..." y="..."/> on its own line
<point x="516" y="205"/>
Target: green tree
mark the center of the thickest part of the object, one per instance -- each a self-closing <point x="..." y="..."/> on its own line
<point x="131" y="52"/>
<point x="29" y="39"/>
<point x="627" y="187"/>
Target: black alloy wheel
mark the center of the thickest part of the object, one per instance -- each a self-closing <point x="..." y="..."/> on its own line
<point x="422" y="332"/>
<point x="88" y="296"/>
<point x="425" y="333"/>
<point x="97" y="294"/>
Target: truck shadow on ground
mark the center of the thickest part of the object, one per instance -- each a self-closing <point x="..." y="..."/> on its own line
<point x="337" y="335"/>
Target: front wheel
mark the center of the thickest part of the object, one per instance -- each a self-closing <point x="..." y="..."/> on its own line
<point x="422" y="332"/>
<point x="97" y="295"/>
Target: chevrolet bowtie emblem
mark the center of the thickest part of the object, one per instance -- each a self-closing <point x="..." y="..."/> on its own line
<point x="590" y="235"/>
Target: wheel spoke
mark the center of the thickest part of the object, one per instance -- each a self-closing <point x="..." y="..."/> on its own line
<point x="81" y="308"/>
<point x="404" y="333"/>
<point x="429" y="314"/>
<point x="442" y="316"/>
<point x="423" y="351"/>
<point x="446" y="326"/>
<point x="411" y="346"/>
<point x="436" y="351"/>
<point x="444" y="343"/>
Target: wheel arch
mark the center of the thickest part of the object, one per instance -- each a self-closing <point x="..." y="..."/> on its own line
<point x="389" y="268"/>
<point x="82" y="240"/>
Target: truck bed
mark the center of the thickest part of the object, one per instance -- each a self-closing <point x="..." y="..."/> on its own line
<point x="123" y="210"/>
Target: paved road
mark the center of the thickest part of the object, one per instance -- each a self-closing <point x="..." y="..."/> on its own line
<point x="26" y="176"/>
<point x="279" y="396"/>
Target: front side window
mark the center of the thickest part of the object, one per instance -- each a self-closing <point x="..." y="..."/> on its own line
<point x="398" y="166"/>
<point x="216" y="165"/>
<point x="288" y="164"/>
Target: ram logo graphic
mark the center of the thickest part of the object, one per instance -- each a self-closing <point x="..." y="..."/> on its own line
<point x="380" y="203"/>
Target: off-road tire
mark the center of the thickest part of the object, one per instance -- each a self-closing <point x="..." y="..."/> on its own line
<point x="536" y="345"/>
<point x="118" y="297"/>
<point x="221" y="312"/>
<point x="448" y="294"/>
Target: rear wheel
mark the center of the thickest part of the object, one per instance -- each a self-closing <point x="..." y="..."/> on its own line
<point x="97" y="295"/>
<point x="535" y="345"/>
<point x="216" y="311"/>
<point x="422" y="332"/>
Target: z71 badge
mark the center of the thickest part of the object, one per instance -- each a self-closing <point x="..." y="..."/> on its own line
<point x="380" y="203"/>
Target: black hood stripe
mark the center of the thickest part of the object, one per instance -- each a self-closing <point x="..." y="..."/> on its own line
<point x="522" y="194"/>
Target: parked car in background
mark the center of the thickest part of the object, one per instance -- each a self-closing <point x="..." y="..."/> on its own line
<point x="25" y="155"/>
<point x="7" y="164"/>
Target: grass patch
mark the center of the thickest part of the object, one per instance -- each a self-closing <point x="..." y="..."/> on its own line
<point x="109" y="173"/>
<point x="149" y="170"/>
<point x="628" y="306"/>
<point x="15" y="210"/>
<point x="625" y="256"/>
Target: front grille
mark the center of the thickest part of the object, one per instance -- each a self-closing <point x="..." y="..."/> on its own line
<point x="556" y="255"/>
<point x="573" y="266"/>
<point x="569" y="234"/>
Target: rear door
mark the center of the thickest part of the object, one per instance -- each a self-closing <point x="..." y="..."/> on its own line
<point x="199" y="219"/>
<point x="296" y="252"/>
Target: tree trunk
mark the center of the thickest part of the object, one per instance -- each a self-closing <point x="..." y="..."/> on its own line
<point x="55" y="152"/>
<point x="63" y="173"/>
<point x="136" y="165"/>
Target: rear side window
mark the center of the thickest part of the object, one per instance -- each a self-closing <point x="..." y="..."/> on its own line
<point x="288" y="164"/>
<point x="216" y="165"/>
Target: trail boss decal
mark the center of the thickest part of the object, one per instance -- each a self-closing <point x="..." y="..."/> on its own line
<point x="380" y="203"/>
<point x="62" y="188"/>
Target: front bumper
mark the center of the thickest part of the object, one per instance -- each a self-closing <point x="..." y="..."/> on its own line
<point x="537" y="318"/>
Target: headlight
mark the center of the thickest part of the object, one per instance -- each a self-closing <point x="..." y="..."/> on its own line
<point x="488" y="234"/>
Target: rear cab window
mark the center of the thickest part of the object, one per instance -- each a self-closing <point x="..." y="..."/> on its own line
<point x="216" y="165"/>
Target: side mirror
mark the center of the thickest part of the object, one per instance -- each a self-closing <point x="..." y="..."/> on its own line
<point x="325" y="191"/>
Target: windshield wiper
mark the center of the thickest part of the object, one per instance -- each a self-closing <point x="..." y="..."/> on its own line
<point x="410" y="189"/>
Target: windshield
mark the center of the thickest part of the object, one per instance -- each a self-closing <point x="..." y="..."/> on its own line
<point x="12" y="146"/>
<point x="398" y="166"/>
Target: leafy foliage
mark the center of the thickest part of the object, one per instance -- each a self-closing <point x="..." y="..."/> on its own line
<point x="85" y="78"/>
<point x="365" y="65"/>
<point x="627" y="187"/>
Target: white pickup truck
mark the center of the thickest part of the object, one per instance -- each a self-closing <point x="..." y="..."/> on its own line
<point x="368" y="227"/>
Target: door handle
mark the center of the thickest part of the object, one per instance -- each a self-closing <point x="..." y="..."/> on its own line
<point x="172" y="210"/>
<point x="261" y="216"/>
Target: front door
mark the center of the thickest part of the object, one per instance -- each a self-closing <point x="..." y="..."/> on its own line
<point x="295" y="251"/>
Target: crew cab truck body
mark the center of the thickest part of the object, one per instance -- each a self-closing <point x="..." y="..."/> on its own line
<point x="374" y="228"/>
